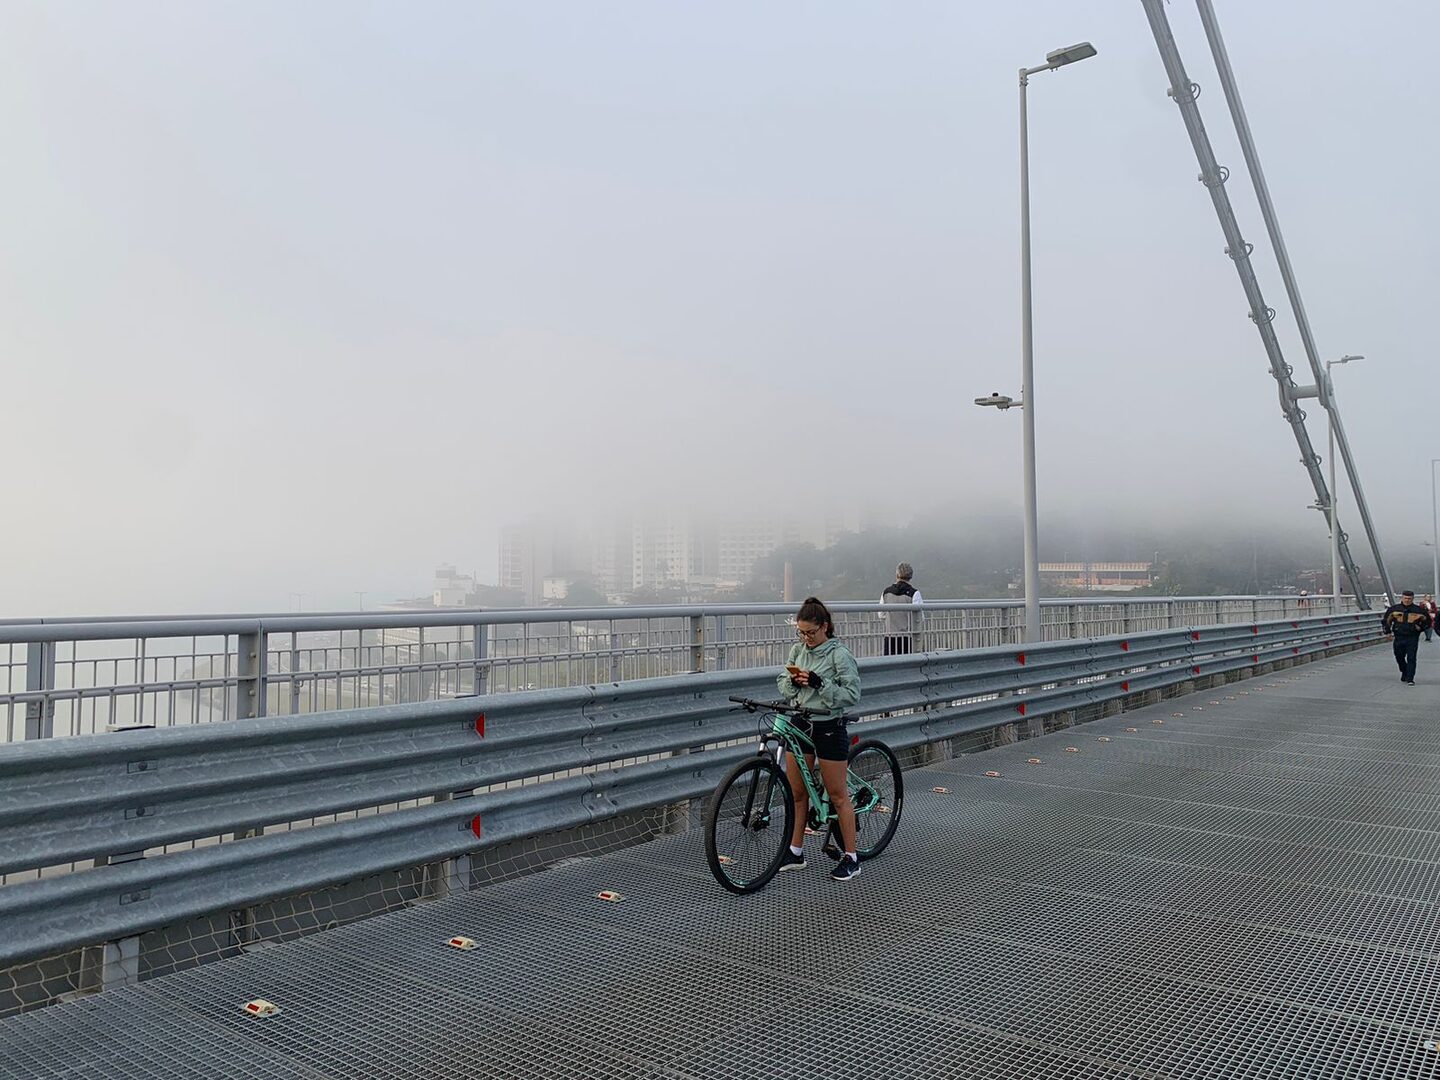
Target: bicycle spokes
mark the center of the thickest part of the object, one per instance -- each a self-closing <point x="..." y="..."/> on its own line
<point x="749" y="825"/>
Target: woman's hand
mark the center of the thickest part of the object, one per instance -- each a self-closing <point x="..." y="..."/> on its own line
<point x="801" y="678"/>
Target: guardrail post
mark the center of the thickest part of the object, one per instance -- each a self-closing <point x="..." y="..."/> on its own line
<point x="449" y="876"/>
<point x="40" y="676"/>
<point x="250" y="687"/>
<point x="121" y="965"/>
<point x="120" y="959"/>
<point x="1170" y="614"/>
<point x="697" y="643"/>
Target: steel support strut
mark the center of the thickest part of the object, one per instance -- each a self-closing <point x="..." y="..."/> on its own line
<point x="1213" y="176"/>
<point x="1287" y="274"/>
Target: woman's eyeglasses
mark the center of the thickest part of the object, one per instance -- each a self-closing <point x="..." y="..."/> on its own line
<point x="808" y="634"/>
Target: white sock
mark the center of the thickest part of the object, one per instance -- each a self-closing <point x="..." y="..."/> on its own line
<point x="796" y="850"/>
<point x="852" y="856"/>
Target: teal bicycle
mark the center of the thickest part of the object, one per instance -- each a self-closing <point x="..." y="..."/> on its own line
<point x="752" y="813"/>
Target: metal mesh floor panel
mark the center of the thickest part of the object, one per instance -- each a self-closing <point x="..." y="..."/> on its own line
<point x="347" y="1018"/>
<point x="127" y="1035"/>
<point x="848" y="1038"/>
<point x="1246" y="889"/>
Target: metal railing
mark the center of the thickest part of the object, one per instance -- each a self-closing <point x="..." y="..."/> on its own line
<point x="75" y="677"/>
<point x="487" y="772"/>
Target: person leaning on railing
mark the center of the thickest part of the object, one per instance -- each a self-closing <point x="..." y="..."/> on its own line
<point x="900" y="625"/>
<point x="821" y="674"/>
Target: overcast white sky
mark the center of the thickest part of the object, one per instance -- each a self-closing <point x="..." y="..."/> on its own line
<point x="308" y="297"/>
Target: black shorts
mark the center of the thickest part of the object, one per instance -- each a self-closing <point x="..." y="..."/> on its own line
<point x="831" y="739"/>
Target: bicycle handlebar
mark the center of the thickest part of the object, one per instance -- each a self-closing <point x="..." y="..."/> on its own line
<point x="751" y="705"/>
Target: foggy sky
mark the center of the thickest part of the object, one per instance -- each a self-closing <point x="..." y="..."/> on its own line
<point x="312" y="297"/>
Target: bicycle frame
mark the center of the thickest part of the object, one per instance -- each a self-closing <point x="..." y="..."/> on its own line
<point x="785" y="735"/>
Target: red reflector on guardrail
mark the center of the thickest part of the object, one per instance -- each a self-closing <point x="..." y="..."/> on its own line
<point x="480" y="725"/>
<point x="1020" y="658"/>
<point x="1125" y="646"/>
<point x="1194" y="635"/>
<point x="475" y="826"/>
<point x="1020" y="708"/>
<point x="1125" y="685"/>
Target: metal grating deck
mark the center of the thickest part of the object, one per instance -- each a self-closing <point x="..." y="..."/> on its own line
<point x="1247" y="889"/>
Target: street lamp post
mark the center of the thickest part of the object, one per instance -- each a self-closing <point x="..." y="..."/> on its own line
<point x="1334" y="493"/>
<point x="1434" y="531"/>
<point x="1057" y="59"/>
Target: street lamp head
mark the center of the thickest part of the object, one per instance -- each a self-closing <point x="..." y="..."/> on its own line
<point x="1061" y="57"/>
<point x="1347" y="358"/>
<point x="996" y="400"/>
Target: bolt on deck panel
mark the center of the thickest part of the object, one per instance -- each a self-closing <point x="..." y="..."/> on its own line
<point x="1233" y="893"/>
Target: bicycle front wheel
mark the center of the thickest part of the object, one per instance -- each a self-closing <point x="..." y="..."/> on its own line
<point x="748" y="823"/>
<point x="877" y="789"/>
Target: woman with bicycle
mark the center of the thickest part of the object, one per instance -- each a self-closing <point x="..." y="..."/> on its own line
<point x="822" y="675"/>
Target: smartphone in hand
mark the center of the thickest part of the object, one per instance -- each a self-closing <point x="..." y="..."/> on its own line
<point x="793" y="670"/>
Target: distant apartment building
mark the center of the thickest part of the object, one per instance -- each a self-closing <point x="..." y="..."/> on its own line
<point x="452" y="589"/>
<point x="622" y="553"/>
<point x="669" y="549"/>
<point x="532" y="552"/>
<point x="741" y="543"/>
<point x="1098" y="576"/>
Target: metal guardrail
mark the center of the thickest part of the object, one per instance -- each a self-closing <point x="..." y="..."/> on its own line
<point x="113" y="798"/>
<point x="73" y="677"/>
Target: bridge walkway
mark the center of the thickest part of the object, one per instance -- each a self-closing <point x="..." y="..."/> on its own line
<point x="1237" y="883"/>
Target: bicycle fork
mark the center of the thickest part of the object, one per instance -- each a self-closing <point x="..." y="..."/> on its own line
<point x="753" y="819"/>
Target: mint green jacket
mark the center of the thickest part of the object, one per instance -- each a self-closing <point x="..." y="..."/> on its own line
<point x="839" y="674"/>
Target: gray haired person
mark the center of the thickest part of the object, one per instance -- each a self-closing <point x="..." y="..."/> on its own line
<point x="900" y="625"/>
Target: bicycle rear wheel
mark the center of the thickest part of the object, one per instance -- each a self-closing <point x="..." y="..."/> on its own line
<point x="878" y="790"/>
<point x="747" y="825"/>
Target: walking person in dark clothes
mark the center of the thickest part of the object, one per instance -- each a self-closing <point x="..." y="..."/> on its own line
<point x="900" y="626"/>
<point x="1405" y="622"/>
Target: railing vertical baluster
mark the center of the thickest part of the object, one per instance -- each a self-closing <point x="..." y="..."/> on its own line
<point x="697" y="642"/>
<point x="722" y="654"/>
<point x="482" y="658"/>
<point x="40" y="676"/>
<point x="250" y="687"/>
<point x="294" y="673"/>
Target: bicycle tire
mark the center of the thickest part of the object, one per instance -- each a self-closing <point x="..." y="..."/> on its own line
<point x="878" y="766"/>
<point x="744" y="851"/>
